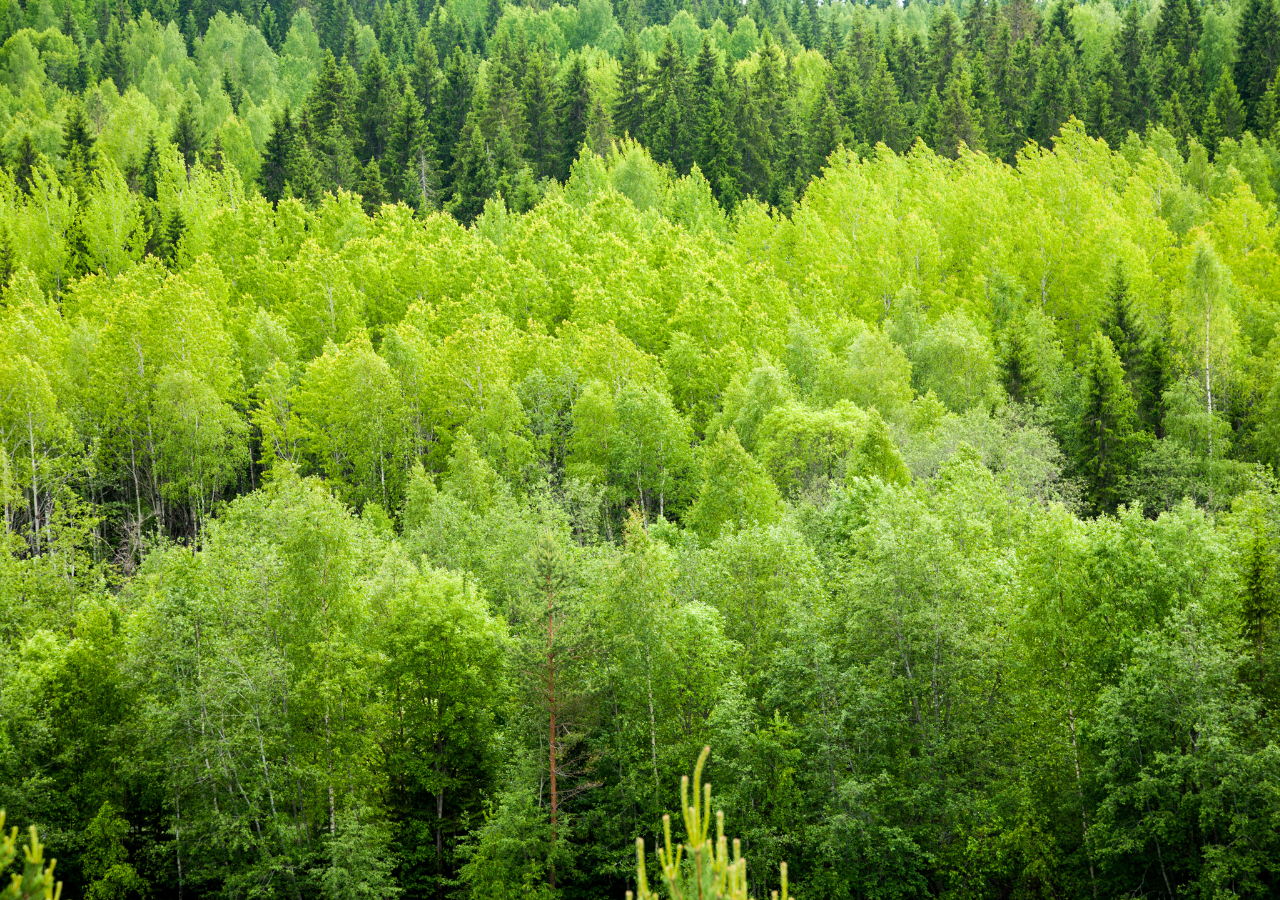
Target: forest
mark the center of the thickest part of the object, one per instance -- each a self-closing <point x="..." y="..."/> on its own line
<point x="425" y="426"/>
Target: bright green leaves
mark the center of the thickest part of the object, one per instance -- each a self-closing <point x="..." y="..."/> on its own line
<point x="351" y="419"/>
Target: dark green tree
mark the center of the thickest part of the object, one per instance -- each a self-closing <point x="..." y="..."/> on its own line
<point x="1106" y="446"/>
<point x="414" y="170"/>
<point x="375" y="109"/>
<point x="1257" y="53"/>
<point x="628" y="110"/>
<point x="286" y="164"/>
<point x="572" y="113"/>
<point x="543" y="130"/>
<point x="186" y="136"/>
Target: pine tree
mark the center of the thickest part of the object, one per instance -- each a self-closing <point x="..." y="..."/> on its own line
<point x="628" y="111"/>
<point x="1105" y="426"/>
<point x="573" y="114"/>
<point x="1257" y="54"/>
<point x="186" y="136"/>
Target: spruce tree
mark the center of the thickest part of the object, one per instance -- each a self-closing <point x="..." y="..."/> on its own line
<point x="474" y="177"/>
<point x="78" y="140"/>
<point x="543" y="126"/>
<point x="370" y="187"/>
<point x="1226" y="112"/>
<point x="186" y="136"/>
<point x="451" y="109"/>
<point x="666" y="127"/>
<point x="959" y="121"/>
<point x="330" y="102"/>
<point x="882" y="119"/>
<point x="628" y="111"/>
<point x="375" y="109"/>
<point x="1106" y="446"/>
<point x="573" y="113"/>
<point x="286" y="166"/>
<point x="1257" y="54"/>
<point x="26" y="160"/>
<point x="234" y="94"/>
<point x="149" y="174"/>
<point x="415" y="169"/>
<point x="8" y="258"/>
<point x="113" y="64"/>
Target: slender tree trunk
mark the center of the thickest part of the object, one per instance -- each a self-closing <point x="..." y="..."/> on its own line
<point x="551" y="736"/>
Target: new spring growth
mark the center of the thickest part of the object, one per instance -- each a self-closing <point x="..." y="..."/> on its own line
<point x="36" y="881"/>
<point x="699" y="869"/>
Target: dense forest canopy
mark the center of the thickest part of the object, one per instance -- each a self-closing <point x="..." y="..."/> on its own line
<point x="424" y="427"/>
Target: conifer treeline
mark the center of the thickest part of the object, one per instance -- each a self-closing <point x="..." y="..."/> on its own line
<point x="445" y="106"/>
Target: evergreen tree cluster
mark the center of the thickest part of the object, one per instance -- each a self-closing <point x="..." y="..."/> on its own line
<point x="449" y="106"/>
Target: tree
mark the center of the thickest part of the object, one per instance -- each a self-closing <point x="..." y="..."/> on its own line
<point x="573" y="114"/>
<point x="375" y="110"/>
<point x="286" y="170"/>
<point x="36" y="881"/>
<point x="186" y="136"/>
<point x="1257" y="55"/>
<point x="735" y="488"/>
<point x="414" y="166"/>
<point x="1105" y="426"/>
<point x="628" y="112"/>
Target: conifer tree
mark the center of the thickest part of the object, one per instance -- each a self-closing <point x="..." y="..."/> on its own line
<point x="78" y="141"/>
<point x="425" y="77"/>
<point x="286" y="167"/>
<point x="1228" y="112"/>
<point x="540" y="114"/>
<point x="882" y="119"/>
<point x="186" y="136"/>
<point x="1105" y="426"/>
<point x="375" y="109"/>
<point x="1257" y="54"/>
<point x="8" y="258"/>
<point x="945" y="48"/>
<point x="415" y="169"/>
<point x="330" y="102"/>
<point x="114" y="64"/>
<point x="370" y="187"/>
<point x="233" y="92"/>
<point x="573" y="114"/>
<point x="666" y="105"/>
<point x="959" y="121"/>
<point x="628" y="111"/>
<point x="451" y="109"/>
<point x="149" y="174"/>
<point x="475" y="177"/>
<point x="26" y="160"/>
